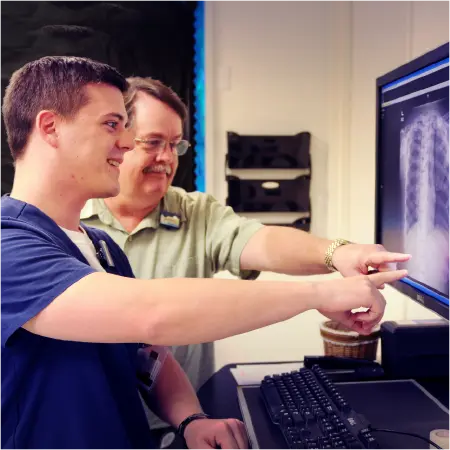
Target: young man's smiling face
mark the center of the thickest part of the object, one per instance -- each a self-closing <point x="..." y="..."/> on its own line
<point x="93" y="143"/>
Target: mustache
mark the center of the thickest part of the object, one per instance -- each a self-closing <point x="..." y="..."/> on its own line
<point x="158" y="168"/>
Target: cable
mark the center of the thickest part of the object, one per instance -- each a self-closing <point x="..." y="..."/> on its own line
<point x="407" y="434"/>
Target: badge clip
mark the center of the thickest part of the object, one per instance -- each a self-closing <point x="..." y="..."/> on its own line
<point x="104" y="254"/>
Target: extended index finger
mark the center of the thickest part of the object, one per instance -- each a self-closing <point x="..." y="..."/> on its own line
<point x="379" y="278"/>
<point x="377" y="259"/>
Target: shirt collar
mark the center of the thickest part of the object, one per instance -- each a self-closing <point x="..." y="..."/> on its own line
<point x="97" y="208"/>
<point x="32" y="217"/>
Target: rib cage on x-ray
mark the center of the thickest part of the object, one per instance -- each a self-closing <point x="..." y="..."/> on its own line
<point x="424" y="172"/>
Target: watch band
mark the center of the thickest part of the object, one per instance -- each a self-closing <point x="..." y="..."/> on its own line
<point x="330" y="250"/>
<point x="181" y="428"/>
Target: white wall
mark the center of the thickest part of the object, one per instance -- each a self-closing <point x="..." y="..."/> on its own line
<point x="269" y="79"/>
<point x="286" y="67"/>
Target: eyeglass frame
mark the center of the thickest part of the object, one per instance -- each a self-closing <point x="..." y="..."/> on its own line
<point x="162" y="147"/>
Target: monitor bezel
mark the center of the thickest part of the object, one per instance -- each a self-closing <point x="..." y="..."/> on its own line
<point x="419" y="63"/>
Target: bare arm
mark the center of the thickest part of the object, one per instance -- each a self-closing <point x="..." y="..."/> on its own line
<point x="108" y="308"/>
<point x="178" y="311"/>
<point x="285" y="250"/>
<point x="173" y="394"/>
<point x="295" y="252"/>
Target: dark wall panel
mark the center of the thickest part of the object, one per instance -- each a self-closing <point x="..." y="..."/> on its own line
<point x="139" y="38"/>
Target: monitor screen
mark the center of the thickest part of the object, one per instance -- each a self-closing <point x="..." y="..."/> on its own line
<point x="413" y="174"/>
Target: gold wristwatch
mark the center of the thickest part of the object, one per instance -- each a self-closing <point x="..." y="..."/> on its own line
<point x="330" y="250"/>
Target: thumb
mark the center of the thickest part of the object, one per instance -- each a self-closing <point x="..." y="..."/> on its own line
<point x="378" y="279"/>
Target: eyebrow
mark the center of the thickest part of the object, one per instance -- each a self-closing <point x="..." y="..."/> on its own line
<point x="116" y="115"/>
<point x="159" y="136"/>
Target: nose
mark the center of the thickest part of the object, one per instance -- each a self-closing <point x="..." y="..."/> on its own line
<point x="126" y="140"/>
<point x="165" y="154"/>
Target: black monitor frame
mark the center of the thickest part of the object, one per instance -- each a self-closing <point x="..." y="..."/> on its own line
<point x="425" y="60"/>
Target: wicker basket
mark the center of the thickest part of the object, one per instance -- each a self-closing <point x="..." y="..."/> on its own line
<point x="339" y="340"/>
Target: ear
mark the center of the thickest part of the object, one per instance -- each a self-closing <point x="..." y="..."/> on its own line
<point x="45" y="123"/>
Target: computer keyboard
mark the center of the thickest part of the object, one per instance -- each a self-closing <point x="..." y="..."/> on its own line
<point x="311" y="413"/>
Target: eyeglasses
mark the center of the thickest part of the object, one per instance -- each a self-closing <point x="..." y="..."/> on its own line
<point x="158" y="145"/>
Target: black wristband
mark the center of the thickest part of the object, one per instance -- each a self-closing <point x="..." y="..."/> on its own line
<point x="188" y="420"/>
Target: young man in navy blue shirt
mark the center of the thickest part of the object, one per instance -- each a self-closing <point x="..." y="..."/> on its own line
<point x="72" y="312"/>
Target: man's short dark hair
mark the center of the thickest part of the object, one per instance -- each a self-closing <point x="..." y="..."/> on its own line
<point x="156" y="89"/>
<point x="54" y="83"/>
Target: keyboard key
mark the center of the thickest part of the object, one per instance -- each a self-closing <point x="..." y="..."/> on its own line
<point x="286" y="420"/>
<point x="368" y="440"/>
<point x="297" y="419"/>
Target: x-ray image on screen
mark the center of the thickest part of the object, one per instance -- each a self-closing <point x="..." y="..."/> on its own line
<point x="424" y="170"/>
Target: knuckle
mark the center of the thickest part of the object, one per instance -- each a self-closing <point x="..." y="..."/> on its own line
<point x="368" y="289"/>
<point x="223" y="426"/>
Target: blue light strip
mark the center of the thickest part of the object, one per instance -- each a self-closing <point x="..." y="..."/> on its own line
<point x="199" y="96"/>
<point x="425" y="290"/>
<point x="415" y="74"/>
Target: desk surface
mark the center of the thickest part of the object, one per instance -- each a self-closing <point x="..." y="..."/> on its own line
<point x="218" y="395"/>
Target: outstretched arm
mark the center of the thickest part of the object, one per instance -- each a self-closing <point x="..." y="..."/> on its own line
<point x="295" y="252"/>
<point x="108" y="308"/>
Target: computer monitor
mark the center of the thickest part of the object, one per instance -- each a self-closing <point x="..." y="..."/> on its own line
<point x="412" y="174"/>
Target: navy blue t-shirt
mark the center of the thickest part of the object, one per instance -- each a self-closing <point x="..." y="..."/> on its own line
<point x="60" y="394"/>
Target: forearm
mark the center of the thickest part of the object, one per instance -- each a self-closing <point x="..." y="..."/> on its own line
<point x="173" y="397"/>
<point x="285" y="250"/>
<point x="196" y="311"/>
